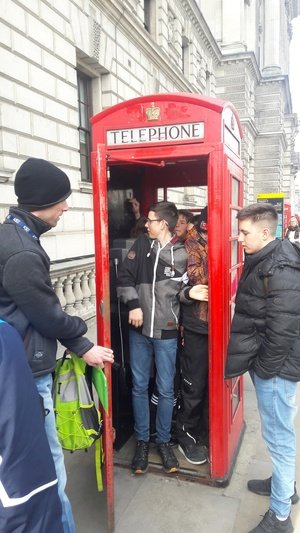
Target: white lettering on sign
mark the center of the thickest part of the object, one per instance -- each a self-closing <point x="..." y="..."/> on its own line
<point x="154" y="134"/>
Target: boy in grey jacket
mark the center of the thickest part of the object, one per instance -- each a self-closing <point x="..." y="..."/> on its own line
<point x="149" y="282"/>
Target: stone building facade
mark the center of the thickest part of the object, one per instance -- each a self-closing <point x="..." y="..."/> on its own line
<point x="62" y="62"/>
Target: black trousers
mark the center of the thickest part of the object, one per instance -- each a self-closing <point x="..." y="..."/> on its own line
<point x="192" y="416"/>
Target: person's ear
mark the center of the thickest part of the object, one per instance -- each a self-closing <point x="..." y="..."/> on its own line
<point x="266" y="233"/>
<point x="190" y="225"/>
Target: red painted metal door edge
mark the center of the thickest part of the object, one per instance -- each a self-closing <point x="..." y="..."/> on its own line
<point x="99" y="171"/>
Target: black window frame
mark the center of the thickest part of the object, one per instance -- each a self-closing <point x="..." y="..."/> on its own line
<point x="84" y="130"/>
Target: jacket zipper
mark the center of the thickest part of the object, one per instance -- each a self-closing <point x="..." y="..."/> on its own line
<point x="153" y="291"/>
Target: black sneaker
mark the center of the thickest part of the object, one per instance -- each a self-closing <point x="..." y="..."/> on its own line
<point x="194" y="453"/>
<point x="263" y="488"/>
<point x="139" y="463"/>
<point x="271" y="524"/>
<point x="168" y="458"/>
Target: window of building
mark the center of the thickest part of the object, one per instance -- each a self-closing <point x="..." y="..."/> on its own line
<point x="150" y="17"/>
<point x="84" y="110"/>
<point x="147" y="15"/>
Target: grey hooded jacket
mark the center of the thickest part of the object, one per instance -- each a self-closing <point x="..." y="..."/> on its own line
<point x="151" y="277"/>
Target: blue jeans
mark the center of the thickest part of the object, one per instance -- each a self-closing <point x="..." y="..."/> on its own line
<point x="44" y="387"/>
<point x="141" y="355"/>
<point x="276" y="398"/>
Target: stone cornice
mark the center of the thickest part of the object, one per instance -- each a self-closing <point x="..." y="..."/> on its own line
<point x="143" y="40"/>
<point x="246" y="57"/>
<point x="284" y="80"/>
<point x="200" y="24"/>
<point x="250" y="125"/>
<point x="249" y="57"/>
<point x="293" y="117"/>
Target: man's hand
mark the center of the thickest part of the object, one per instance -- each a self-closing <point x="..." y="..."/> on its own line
<point x="98" y="355"/>
<point x="199" y="292"/>
<point x="136" y="317"/>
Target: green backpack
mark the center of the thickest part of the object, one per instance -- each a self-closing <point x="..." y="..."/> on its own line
<point x="78" y="421"/>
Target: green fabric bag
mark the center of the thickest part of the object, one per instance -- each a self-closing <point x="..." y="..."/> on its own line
<point x="100" y="384"/>
<point x="78" y="421"/>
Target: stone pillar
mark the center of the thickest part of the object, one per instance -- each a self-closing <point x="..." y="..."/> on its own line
<point x="272" y="38"/>
<point x="233" y="26"/>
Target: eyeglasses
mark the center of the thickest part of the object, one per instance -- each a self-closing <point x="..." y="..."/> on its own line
<point x="150" y="220"/>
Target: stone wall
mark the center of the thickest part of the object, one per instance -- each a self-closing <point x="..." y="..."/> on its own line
<point x="42" y="46"/>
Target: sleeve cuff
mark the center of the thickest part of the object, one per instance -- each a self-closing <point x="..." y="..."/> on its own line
<point x="187" y="294"/>
<point x="133" y="304"/>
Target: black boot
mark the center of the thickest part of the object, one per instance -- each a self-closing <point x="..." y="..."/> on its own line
<point x="168" y="458"/>
<point x="139" y="463"/>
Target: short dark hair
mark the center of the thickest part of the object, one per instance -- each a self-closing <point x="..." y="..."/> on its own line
<point x="166" y="211"/>
<point x="260" y="212"/>
<point x="188" y="215"/>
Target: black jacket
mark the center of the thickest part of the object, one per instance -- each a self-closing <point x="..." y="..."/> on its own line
<point x="265" y="331"/>
<point x="27" y="299"/>
<point x="151" y="277"/>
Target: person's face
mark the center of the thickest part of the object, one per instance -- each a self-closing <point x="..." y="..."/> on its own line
<point x="293" y="222"/>
<point x="253" y="235"/>
<point x="154" y="225"/>
<point x="181" y="227"/>
<point x="51" y="215"/>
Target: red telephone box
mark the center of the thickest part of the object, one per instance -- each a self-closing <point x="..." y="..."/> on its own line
<point x="145" y="147"/>
<point x="287" y="213"/>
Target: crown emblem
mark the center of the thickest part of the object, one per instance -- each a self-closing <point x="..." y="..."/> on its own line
<point x="153" y="112"/>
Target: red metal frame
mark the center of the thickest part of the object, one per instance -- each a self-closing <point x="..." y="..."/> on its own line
<point x="212" y="160"/>
<point x="103" y="310"/>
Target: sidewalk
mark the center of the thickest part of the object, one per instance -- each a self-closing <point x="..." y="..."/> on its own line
<point x="164" y="504"/>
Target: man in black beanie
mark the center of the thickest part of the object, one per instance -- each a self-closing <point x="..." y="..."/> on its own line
<point x="27" y="299"/>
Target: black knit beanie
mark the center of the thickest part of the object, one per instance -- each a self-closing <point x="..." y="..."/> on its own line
<point x="39" y="184"/>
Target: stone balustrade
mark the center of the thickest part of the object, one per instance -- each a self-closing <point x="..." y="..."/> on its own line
<point x="74" y="284"/>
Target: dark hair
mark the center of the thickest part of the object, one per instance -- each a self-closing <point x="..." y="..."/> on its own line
<point x="260" y="212"/>
<point x="166" y="211"/>
<point x="200" y="221"/>
<point x="139" y="227"/>
<point x="188" y="215"/>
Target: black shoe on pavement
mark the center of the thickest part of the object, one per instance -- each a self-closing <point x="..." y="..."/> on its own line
<point x="139" y="463"/>
<point x="168" y="458"/>
<point x="194" y="453"/>
<point x="271" y="524"/>
<point x="263" y="488"/>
